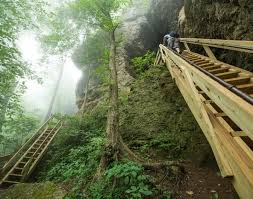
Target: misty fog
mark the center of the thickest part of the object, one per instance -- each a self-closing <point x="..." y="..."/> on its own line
<point x="37" y="96"/>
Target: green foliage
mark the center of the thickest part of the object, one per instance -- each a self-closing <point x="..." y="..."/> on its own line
<point x="79" y="163"/>
<point x="93" y="51"/>
<point x="16" y="130"/>
<point x="101" y="13"/>
<point x="62" y="34"/>
<point x="15" y="16"/>
<point x="76" y="151"/>
<point x="174" y="144"/>
<point x="143" y="63"/>
<point x="131" y="182"/>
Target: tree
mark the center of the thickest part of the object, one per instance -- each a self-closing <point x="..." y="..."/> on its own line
<point x="89" y="57"/>
<point x="102" y="13"/>
<point x="15" y="17"/>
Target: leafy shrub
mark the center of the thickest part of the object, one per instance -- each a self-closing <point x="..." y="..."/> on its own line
<point x="130" y="179"/>
<point x="141" y="64"/>
<point x="79" y="163"/>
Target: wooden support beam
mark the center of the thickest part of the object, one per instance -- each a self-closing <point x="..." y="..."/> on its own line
<point x="209" y="52"/>
<point x="186" y="46"/>
<point x="237" y="45"/>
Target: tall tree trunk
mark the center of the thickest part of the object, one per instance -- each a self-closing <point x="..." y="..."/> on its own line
<point x="55" y="93"/>
<point x="112" y="128"/>
<point x="112" y="149"/>
<point x="86" y="91"/>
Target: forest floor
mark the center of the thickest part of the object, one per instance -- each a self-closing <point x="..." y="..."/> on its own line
<point x="198" y="183"/>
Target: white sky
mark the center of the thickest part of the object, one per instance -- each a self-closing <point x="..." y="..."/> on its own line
<point x="37" y="96"/>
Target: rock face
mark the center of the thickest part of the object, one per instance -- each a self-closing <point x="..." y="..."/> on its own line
<point x="143" y="27"/>
<point x="223" y="19"/>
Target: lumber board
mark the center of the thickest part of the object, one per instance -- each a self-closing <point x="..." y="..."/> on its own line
<point x="209" y="52"/>
<point x="233" y="155"/>
<point x="237" y="45"/>
<point x="235" y="107"/>
<point x="203" y="121"/>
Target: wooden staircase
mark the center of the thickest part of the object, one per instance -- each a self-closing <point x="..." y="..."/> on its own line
<point x="220" y="96"/>
<point x="22" y="164"/>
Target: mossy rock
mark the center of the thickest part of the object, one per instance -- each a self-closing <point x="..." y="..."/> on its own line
<point x="157" y="122"/>
<point x="47" y="190"/>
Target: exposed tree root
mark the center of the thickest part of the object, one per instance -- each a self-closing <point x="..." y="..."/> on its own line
<point x="173" y="167"/>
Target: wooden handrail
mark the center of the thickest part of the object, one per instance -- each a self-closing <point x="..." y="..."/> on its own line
<point x="12" y="161"/>
<point x="34" y="160"/>
<point x="236" y="45"/>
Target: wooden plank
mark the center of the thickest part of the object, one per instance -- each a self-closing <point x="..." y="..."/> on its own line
<point x="239" y="160"/>
<point x="244" y="146"/>
<point x="228" y="75"/>
<point x="220" y="114"/>
<point x="238" y="80"/>
<point x="238" y="134"/>
<point x="17" y="155"/>
<point x="242" y="71"/>
<point x="209" y="52"/>
<point x="247" y="88"/>
<point x="186" y="46"/>
<point x="237" y="45"/>
<point x="56" y="130"/>
<point x="219" y="70"/>
<point x="206" y="65"/>
<point x="202" y="118"/>
<point x="228" y="151"/>
<point x="235" y="107"/>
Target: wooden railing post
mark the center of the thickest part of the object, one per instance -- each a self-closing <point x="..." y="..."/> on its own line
<point x="209" y="52"/>
<point x="186" y="46"/>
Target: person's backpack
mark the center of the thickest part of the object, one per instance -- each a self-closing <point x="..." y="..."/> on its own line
<point x="174" y="34"/>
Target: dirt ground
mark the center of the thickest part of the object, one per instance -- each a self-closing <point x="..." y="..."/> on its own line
<point x="199" y="183"/>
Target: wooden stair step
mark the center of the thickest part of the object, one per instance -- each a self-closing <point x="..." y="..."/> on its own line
<point x="211" y="67"/>
<point x="206" y="65"/>
<point x="219" y="70"/>
<point x="228" y="75"/>
<point x="201" y="92"/>
<point x="10" y="182"/>
<point x="220" y="114"/>
<point x="18" y="168"/>
<point x="21" y="163"/>
<point x="247" y="88"/>
<point x="238" y="80"/>
<point x="201" y="62"/>
<point x="238" y="134"/>
<point x="194" y="58"/>
<point x="16" y="175"/>
<point x="208" y="101"/>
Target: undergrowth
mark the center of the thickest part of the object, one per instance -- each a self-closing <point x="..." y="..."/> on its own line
<point x="154" y="122"/>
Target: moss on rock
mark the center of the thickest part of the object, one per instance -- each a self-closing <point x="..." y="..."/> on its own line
<point x="157" y="122"/>
<point x="47" y="190"/>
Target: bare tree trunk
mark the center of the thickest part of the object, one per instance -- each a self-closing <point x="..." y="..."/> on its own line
<point x="55" y="93"/>
<point x="112" y="128"/>
<point x="86" y="91"/>
<point x="112" y="149"/>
